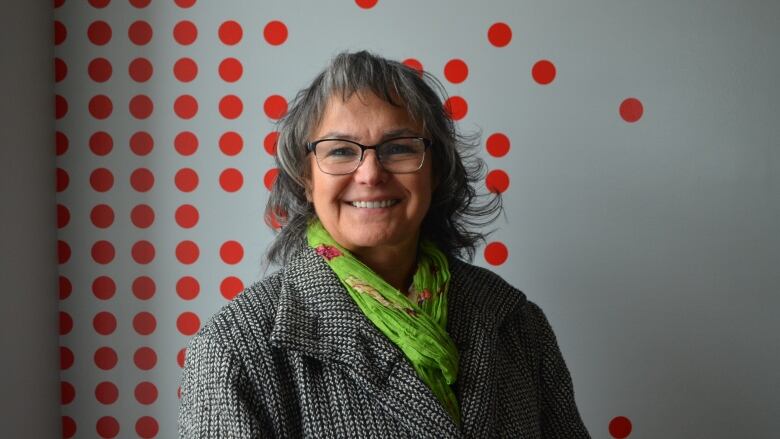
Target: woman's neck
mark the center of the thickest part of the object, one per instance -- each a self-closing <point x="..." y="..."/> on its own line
<point x="395" y="265"/>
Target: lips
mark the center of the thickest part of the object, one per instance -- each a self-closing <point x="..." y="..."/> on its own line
<point x="373" y="204"/>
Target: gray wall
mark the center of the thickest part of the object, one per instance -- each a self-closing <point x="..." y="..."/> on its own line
<point x="29" y="400"/>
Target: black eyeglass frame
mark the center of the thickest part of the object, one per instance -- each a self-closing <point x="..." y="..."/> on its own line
<point x="312" y="146"/>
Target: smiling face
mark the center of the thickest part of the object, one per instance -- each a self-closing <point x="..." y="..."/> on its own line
<point x="370" y="210"/>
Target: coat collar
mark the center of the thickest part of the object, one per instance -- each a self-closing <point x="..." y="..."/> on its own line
<point x="317" y="317"/>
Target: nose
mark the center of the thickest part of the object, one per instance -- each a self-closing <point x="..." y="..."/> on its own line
<point x="370" y="170"/>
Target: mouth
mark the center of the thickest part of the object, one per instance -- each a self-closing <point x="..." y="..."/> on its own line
<point x="373" y="204"/>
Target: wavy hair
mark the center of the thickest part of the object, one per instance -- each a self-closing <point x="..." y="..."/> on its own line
<point x="455" y="211"/>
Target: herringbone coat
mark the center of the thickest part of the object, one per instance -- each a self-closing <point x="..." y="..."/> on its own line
<point x="293" y="356"/>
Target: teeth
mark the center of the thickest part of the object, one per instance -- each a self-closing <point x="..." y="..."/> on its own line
<point x="373" y="204"/>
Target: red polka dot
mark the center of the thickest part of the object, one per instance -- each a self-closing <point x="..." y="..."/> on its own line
<point x="140" y="70"/>
<point x="107" y="427"/>
<point x="231" y="252"/>
<point x="67" y="393"/>
<point x="497" y="144"/>
<point x="103" y="287"/>
<point x="60" y="107"/>
<point x="144" y="288"/>
<point x="230" y="107"/>
<point x="456" y="107"/>
<point x="275" y="107"/>
<point x="230" y="287"/>
<point x="61" y="143"/>
<point x="499" y="34"/>
<point x="185" y="32"/>
<point x="100" y="107"/>
<point x="63" y="252"/>
<point x="187" y="288"/>
<point x="186" y="143"/>
<point x="101" y="143"/>
<point x="60" y="70"/>
<point x="185" y="3"/>
<point x="230" y="32"/>
<point x="231" y="143"/>
<point x="496" y="253"/>
<point x="66" y="358"/>
<point x="140" y="3"/>
<point x="105" y="358"/>
<point x="274" y="220"/>
<point x="99" y="3"/>
<point x="99" y="33"/>
<point x="275" y="33"/>
<point x="181" y="357"/>
<point x="230" y="70"/>
<point x="106" y="392"/>
<point x="143" y="252"/>
<point x="141" y="106"/>
<point x="146" y="393"/>
<point x="141" y="143"/>
<point x="270" y="178"/>
<point x="631" y="110"/>
<point x="104" y="323"/>
<point x="620" y="427"/>
<point x="100" y="70"/>
<point x="102" y="216"/>
<point x="140" y="33"/>
<point x="186" y="107"/>
<point x="497" y="181"/>
<point x="68" y="427"/>
<point x="188" y="323"/>
<point x="231" y="180"/>
<point x="456" y="71"/>
<point x="60" y="32"/>
<point x="63" y="216"/>
<point x="187" y="216"/>
<point x="414" y="64"/>
<point x="142" y="216"/>
<point x="103" y="252"/>
<point x="185" y="69"/>
<point x="543" y="72"/>
<point x="62" y="180"/>
<point x="269" y="143"/>
<point x="146" y="427"/>
<point x="145" y="358"/>
<point x="65" y="287"/>
<point x="101" y="180"/>
<point x="187" y="252"/>
<point x="58" y="3"/>
<point x="144" y="323"/>
<point x="186" y="180"/>
<point x="366" y="4"/>
<point x="142" y="180"/>
<point x="66" y="323"/>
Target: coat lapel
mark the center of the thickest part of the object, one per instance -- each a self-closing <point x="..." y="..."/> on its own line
<point x="474" y="316"/>
<point x="317" y="317"/>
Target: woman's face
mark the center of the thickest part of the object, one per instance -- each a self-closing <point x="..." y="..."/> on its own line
<point x="369" y="120"/>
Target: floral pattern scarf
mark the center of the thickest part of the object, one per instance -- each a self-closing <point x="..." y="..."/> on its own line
<point x="417" y="327"/>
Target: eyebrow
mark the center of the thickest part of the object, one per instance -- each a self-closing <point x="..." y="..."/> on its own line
<point x="399" y="132"/>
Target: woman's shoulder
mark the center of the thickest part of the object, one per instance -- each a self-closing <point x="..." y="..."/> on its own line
<point x="249" y="316"/>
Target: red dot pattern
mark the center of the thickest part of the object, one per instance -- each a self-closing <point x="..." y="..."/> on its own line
<point x="104" y="73"/>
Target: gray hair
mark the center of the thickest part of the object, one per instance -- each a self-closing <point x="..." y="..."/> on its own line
<point x="454" y="211"/>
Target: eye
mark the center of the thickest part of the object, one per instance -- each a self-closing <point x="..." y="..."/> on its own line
<point x="344" y="151"/>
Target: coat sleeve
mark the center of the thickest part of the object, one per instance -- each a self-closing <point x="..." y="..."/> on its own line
<point x="215" y="398"/>
<point x="560" y="417"/>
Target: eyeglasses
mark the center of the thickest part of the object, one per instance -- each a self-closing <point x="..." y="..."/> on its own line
<point x="400" y="155"/>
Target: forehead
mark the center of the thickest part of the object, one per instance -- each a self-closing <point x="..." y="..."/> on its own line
<point x="364" y="114"/>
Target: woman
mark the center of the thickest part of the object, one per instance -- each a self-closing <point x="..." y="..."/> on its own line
<point x="374" y="327"/>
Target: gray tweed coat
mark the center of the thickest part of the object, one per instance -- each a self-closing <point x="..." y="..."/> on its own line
<point x="293" y="356"/>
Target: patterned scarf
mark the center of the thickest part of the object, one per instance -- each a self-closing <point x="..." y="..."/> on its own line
<point x="417" y="327"/>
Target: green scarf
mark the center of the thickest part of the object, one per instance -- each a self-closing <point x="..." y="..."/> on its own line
<point x="417" y="328"/>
